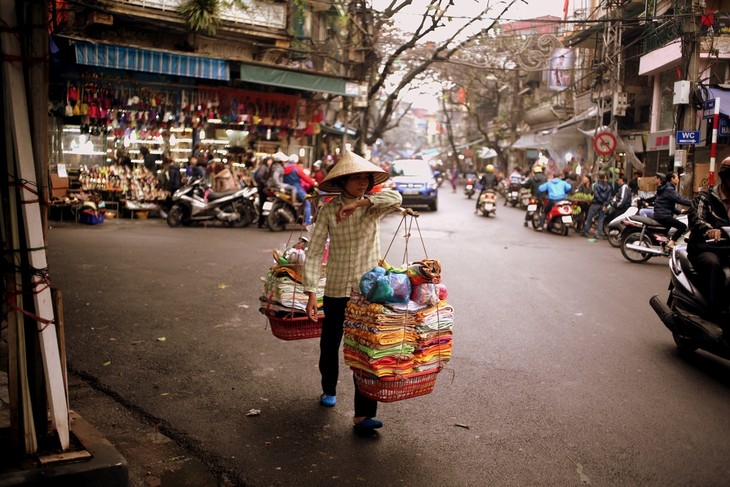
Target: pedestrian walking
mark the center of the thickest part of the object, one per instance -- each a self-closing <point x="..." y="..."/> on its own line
<point x="351" y="223"/>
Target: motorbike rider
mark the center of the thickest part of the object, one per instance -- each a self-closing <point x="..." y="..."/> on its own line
<point x="601" y="196"/>
<point x="295" y="176"/>
<point x="488" y="180"/>
<point x="665" y="207"/>
<point x="557" y="190"/>
<point x="260" y="177"/>
<point x="621" y="199"/>
<point x="515" y="182"/>
<point x="709" y="211"/>
<point x="533" y="183"/>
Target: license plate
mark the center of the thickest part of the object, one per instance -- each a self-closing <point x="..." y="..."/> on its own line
<point x="268" y="205"/>
<point x="567" y="219"/>
<point x="488" y="206"/>
<point x="531" y="207"/>
<point x="411" y="191"/>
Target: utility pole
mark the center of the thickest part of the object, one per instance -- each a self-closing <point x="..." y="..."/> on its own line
<point x="686" y="118"/>
<point x="608" y="94"/>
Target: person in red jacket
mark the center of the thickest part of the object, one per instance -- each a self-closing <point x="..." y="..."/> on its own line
<point x="295" y="176"/>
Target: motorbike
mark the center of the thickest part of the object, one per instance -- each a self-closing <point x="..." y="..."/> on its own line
<point x="615" y="227"/>
<point x="533" y="207"/>
<point x="513" y="194"/>
<point x="284" y="209"/>
<point x="471" y="184"/>
<point x="559" y="219"/>
<point x="488" y="202"/>
<point x="197" y="202"/>
<point x="644" y="238"/>
<point x="684" y="311"/>
<point x="525" y="196"/>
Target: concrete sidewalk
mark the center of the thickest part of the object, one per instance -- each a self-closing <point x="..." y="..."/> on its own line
<point x="153" y="459"/>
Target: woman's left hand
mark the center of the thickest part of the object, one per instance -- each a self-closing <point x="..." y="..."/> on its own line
<point x="344" y="212"/>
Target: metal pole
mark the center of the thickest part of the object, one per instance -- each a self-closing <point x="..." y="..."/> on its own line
<point x="713" y="149"/>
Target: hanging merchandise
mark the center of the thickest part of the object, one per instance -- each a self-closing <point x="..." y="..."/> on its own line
<point x="284" y="301"/>
<point x="398" y="327"/>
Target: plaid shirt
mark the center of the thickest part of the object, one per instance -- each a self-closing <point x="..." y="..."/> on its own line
<point x="354" y="244"/>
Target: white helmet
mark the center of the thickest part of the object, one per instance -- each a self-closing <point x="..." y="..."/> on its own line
<point x="294" y="158"/>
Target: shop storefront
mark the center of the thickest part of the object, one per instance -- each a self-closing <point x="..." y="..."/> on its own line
<point x="113" y="104"/>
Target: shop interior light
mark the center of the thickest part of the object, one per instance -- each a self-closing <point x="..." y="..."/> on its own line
<point x="72" y="130"/>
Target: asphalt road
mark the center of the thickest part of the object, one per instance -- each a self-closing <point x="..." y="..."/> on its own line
<point x="561" y="375"/>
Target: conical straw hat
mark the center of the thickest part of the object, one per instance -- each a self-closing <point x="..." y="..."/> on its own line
<point x="351" y="163"/>
<point x="281" y="157"/>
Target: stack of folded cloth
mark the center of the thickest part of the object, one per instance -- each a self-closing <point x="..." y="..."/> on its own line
<point x="397" y="339"/>
<point x="284" y="293"/>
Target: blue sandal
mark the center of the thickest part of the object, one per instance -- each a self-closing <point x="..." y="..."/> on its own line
<point x="327" y="401"/>
<point x="367" y="425"/>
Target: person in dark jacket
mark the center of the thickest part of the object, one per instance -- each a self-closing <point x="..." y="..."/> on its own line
<point x="489" y="180"/>
<point x="601" y="196"/>
<point x="534" y="182"/>
<point x="710" y="210"/>
<point x="665" y="207"/>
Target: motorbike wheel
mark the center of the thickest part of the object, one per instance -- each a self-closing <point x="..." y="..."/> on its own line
<point x="280" y="216"/>
<point x="635" y="256"/>
<point x="245" y="213"/>
<point x="536" y="220"/>
<point x="177" y="216"/>
<point x="558" y="227"/>
<point x="614" y="238"/>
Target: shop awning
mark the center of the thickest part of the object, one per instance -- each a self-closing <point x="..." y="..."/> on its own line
<point x="529" y="141"/>
<point x="160" y="62"/>
<point x="297" y="81"/>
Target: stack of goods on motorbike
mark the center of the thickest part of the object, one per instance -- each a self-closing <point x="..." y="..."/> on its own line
<point x="398" y="330"/>
<point x="284" y="300"/>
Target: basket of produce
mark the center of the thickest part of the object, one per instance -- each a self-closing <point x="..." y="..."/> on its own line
<point x="395" y="388"/>
<point x="292" y="326"/>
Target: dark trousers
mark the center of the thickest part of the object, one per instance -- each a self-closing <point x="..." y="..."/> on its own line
<point x="329" y="355"/>
<point x="672" y="222"/>
<point x="262" y="200"/>
<point x="594" y="211"/>
<point x="712" y="267"/>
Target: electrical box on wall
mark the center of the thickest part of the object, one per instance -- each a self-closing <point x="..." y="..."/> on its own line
<point x="680" y="158"/>
<point x="681" y="92"/>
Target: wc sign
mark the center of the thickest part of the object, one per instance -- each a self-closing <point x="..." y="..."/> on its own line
<point x="688" y="137"/>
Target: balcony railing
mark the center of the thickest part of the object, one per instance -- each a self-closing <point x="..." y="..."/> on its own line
<point x="658" y="35"/>
<point x="262" y="14"/>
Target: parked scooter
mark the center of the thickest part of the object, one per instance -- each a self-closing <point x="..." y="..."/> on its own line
<point x="197" y="202"/>
<point x="644" y="238"/>
<point x="471" y="184"/>
<point x="559" y="219"/>
<point x="684" y="312"/>
<point x="488" y="202"/>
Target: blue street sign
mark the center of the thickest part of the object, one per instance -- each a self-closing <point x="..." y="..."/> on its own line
<point x="688" y="137"/>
